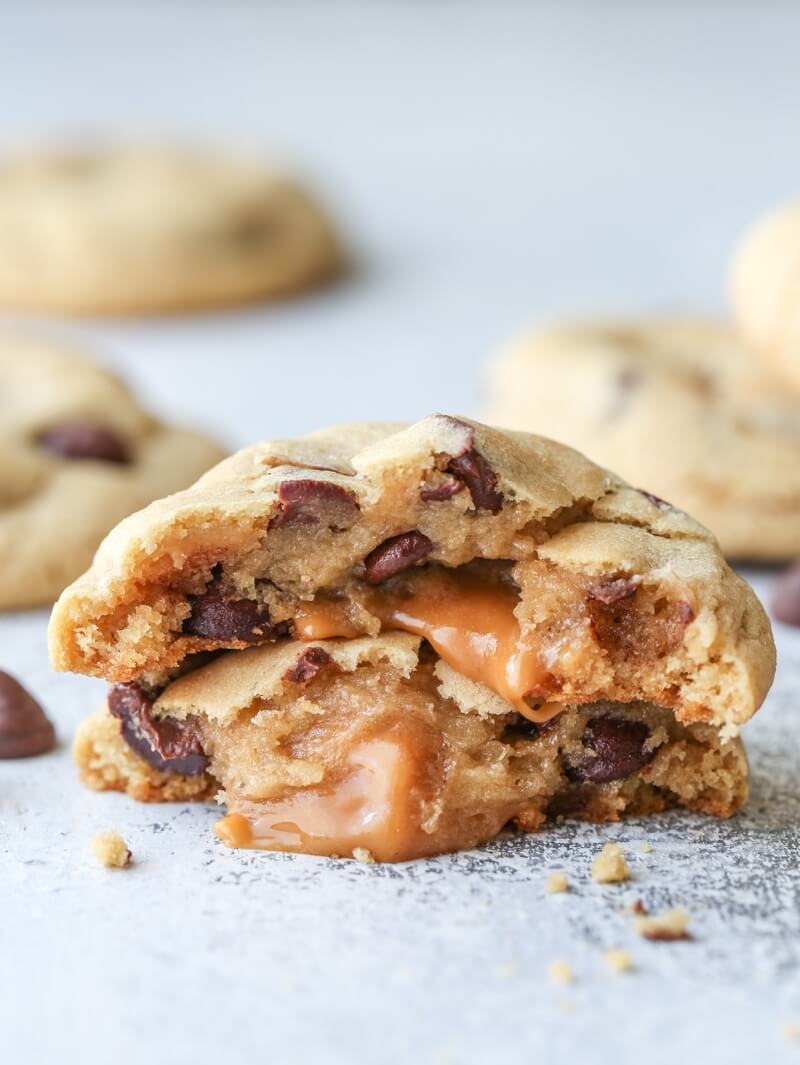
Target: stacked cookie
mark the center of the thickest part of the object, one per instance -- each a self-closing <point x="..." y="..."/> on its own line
<point x="390" y="642"/>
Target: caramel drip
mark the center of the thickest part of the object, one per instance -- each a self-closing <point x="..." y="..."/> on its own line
<point x="371" y="807"/>
<point x="469" y="622"/>
<point x="324" y="619"/>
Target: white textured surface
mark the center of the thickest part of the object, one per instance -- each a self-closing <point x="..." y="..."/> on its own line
<point x="496" y="162"/>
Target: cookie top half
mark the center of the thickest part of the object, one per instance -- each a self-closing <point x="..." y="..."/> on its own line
<point x="680" y="407"/>
<point x="77" y="454"/>
<point x="358" y="529"/>
<point x="144" y="228"/>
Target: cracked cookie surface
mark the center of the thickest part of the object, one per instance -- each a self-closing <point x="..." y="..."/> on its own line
<point x="138" y="228"/>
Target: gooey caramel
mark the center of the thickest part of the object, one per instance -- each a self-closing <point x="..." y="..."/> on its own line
<point x="468" y="620"/>
<point x="373" y="807"/>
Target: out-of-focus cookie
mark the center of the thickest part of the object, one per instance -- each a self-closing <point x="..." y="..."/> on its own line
<point x="77" y="454"/>
<point x="679" y="407"/>
<point x="765" y="289"/>
<point x="145" y="229"/>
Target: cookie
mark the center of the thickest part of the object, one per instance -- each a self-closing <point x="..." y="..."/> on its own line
<point x="77" y="454"/>
<point x="765" y="290"/>
<point x="679" y="407"/>
<point x="420" y="634"/>
<point x="134" y="229"/>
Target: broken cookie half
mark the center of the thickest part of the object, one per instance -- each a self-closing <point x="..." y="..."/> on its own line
<point x="400" y="639"/>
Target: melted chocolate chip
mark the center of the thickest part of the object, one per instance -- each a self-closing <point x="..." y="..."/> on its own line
<point x="217" y="615"/>
<point x="396" y="554"/>
<point x="786" y="597"/>
<point x="306" y="500"/>
<point x="619" y="750"/>
<point x="613" y="589"/>
<point x="85" y="440"/>
<point x="24" y="727"/>
<point x="439" y="492"/>
<point x="310" y="662"/>
<point x="476" y="473"/>
<point x="165" y="744"/>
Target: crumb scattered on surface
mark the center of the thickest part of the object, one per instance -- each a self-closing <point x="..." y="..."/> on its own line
<point x="610" y="867"/>
<point x="557" y="882"/>
<point x="645" y="848"/>
<point x="791" y="1032"/>
<point x="637" y="907"/>
<point x="620" y="961"/>
<point x="361" y="854"/>
<point x="560" y="973"/>
<point x="111" y="850"/>
<point x="666" y="927"/>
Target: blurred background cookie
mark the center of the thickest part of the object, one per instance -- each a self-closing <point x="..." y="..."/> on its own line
<point x="77" y="454"/>
<point x="765" y="288"/>
<point x="138" y="229"/>
<point x="679" y="406"/>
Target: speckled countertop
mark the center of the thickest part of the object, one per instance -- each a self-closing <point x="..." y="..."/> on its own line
<point x="494" y="164"/>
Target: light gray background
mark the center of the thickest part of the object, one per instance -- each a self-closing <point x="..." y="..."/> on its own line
<point x="492" y="164"/>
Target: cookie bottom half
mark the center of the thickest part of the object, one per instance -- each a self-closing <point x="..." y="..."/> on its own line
<point x="404" y="762"/>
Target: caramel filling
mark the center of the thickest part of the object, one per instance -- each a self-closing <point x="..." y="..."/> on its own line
<point x="371" y="807"/>
<point x="469" y="621"/>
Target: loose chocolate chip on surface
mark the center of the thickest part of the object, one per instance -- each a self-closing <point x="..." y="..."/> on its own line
<point x="613" y="589"/>
<point x="786" y="597"/>
<point x="85" y="440"/>
<point x="165" y="744"/>
<point x="476" y="473"/>
<point x="619" y="750"/>
<point x="439" y="492"/>
<point x="306" y="500"/>
<point x="310" y="662"/>
<point x="218" y="616"/>
<point x="396" y="554"/>
<point x="24" y="727"/>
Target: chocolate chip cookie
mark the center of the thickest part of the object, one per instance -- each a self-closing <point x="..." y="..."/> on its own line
<point x="399" y="639"/>
<point x="135" y="229"/>
<point x="680" y="407"/>
<point x="765" y="289"/>
<point x="77" y="454"/>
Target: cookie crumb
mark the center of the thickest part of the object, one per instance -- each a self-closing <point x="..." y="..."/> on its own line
<point x="557" y="882"/>
<point x="560" y="973"/>
<point x="791" y="1032"/>
<point x="610" y="867"/>
<point x="620" y="961"/>
<point x="111" y="850"/>
<point x="645" y="848"/>
<point x="361" y="854"/>
<point x="664" y="927"/>
<point x="635" y="907"/>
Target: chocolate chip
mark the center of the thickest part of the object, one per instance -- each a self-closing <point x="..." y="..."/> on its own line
<point x="786" y="597"/>
<point x="85" y="440"/>
<point x="619" y="750"/>
<point x="217" y="615"/>
<point x="310" y="662"/>
<point x="438" y="492"/>
<point x="164" y="743"/>
<point x="24" y="727"/>
<point x="662" y="504"/>
<point x="613" y="589"/>
<point x="305" y="500"/>
<point x="476" y="473"/>
<point x="396" y="554"/>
